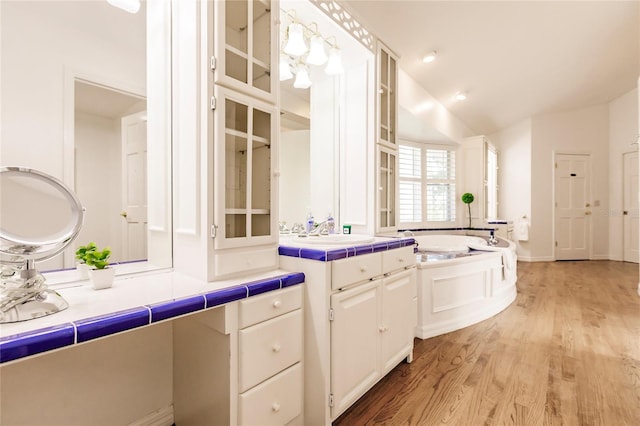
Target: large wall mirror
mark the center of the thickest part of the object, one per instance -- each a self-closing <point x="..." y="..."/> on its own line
<point x="86" y="98"/>
<point x="319" y="124"/>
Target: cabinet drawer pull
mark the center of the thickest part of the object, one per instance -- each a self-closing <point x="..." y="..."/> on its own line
<point x="277" y="304"/>
<point x="363" y="269"/>
<point x="400" y="260"/>
<point x="275" y="407"/>
<point x="276" y="348"/>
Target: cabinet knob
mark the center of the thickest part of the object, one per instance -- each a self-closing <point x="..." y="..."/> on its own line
<point x="363" y="269"/>
<point x="275" y="407"/>
<point x="277" y="304"/>
<point x="276" y="348"/>
<point x="400" y="260"/>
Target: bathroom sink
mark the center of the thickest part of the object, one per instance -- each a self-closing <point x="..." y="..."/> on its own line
<point x="335" y="239"/>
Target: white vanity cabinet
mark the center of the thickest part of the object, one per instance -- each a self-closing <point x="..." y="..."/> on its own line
<point x="370" y="334"/>
<point x="260" y="341"/>
<point x="360" y="317"/>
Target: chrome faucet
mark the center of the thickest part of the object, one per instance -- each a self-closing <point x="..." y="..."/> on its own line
<point x="321" y="228"/>
<point x="492" y="239"/>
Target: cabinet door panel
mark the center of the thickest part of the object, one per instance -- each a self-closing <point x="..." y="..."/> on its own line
<point x="398" y="293"/>
<point x="354" y="343"/>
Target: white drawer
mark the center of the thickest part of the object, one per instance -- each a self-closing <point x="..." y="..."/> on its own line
<point x="274" y="402"/>
<point x="354" y="269"/>
<point x="233" y="262"/>
<point x="268" y="348"/>
<point x="269" y="305"/>
<point x="395" y="259"/>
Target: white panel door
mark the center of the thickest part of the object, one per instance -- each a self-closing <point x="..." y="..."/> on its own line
<point x="134" y="186"/>
<point x="572" y="207"/>
<point x="630" y="218"/>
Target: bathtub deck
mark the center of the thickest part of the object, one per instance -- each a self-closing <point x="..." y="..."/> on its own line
<point x="566" y="352"/>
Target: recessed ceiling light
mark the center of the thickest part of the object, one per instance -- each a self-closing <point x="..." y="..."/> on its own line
<point x="461" y="96"/>
<point x="430" y="57"/>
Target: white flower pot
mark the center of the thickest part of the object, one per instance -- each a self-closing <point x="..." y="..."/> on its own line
<point x="83" y="270"/>
<point x="102" y="278"/>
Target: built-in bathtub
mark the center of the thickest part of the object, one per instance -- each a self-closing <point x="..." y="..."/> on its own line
<point x="462" y="280"/>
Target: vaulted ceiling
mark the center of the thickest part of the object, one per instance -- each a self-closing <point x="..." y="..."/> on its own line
<point x="515" y="59"/>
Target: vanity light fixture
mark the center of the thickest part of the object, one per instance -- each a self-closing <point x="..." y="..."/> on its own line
<point x="131" y="6"/>
<point x="461" y="96"/>
<point x="334" y="65"/>
<point x="430" y="57"/>
<point x="285" y="68"/>
<point x="296" y="45"/>
<point x="317" y="55"/>
<point x="297" y="37"/>
<point x="302" y="80"/>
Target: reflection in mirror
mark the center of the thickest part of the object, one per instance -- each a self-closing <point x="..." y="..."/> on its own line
<point x="83" y="118"/>
<point x="315" y="122"/>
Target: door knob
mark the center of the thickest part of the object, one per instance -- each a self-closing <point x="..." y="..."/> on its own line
<point x="624" y="213"/>
<point x="123" y="213"/>
<point x="587" y="213"/>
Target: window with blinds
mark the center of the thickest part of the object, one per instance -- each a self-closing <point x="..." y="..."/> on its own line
<point x="427" y="184"/>
<point x="441" y="185"/>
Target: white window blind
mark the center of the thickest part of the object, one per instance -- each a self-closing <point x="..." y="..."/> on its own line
<point x="410" y="183"/>
<point x="427" y="184"/>
<point x="441" y="185"/>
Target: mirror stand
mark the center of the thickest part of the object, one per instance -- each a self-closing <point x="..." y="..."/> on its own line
<point x="39" y="217"/>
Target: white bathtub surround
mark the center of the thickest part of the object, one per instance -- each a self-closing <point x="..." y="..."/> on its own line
<point x="456" y="292"/>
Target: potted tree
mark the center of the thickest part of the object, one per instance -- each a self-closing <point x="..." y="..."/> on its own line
<point x="467" y="198"/>
<point x="101" y="274"/>
<point x="81" y="258"/>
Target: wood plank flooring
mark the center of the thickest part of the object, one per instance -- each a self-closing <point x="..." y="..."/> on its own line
<point x="566" y="352"/>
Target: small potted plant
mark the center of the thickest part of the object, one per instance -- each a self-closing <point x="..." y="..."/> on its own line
<point x="101" y="274"/>
<point x="81" y="258"/>
<point x="467" y="198"/>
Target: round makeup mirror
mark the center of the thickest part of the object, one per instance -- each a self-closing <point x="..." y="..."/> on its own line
<point x="39" y="217"/>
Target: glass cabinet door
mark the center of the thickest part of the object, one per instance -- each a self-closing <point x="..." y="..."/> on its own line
<point x="387" y="181"/>
<point x="243" y="52"/>
<point x="387" y="101"/>
<point x="245" y="131"/>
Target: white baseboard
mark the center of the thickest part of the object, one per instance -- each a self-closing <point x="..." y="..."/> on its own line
<point x="536" y="259"/>
<point x="161" y="417"/>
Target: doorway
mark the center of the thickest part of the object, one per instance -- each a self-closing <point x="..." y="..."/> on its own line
<point x="572" y="206"/>
<point x="631" y="231"/>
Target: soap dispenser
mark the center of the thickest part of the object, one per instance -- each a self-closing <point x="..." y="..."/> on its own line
<point x="331" y="225"/>
<point x="310" y="223"/>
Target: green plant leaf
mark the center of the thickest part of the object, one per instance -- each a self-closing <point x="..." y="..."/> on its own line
<point x="467" y="198"/>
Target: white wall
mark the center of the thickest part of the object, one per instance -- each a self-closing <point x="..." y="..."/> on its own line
<point x="514" y="144"/>
<point x="294" y="178"/>
<point x="623" y="130"/>
<point x="583" y="131"/>
<point x="431" y="114"/>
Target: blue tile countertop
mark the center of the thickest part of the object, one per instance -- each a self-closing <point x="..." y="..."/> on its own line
<point x="131" y="303"/>
<point x="327" y="253"/>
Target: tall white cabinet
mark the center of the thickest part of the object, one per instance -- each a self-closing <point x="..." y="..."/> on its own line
<point x="243" y="133"/>
<point x="386" y="146"/>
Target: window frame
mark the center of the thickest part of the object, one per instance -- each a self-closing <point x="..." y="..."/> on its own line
<point x="424" y="223"/>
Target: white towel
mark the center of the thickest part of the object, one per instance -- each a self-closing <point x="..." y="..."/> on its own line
<point x="523" y="229"/>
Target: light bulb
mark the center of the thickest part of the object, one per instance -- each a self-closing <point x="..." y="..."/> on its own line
<point x="285" y="69"/>
<point x="334" y="66"/>
<point x="430" y="57"/>
<point x="460" y="96"/>
<point x="316" y="51"/>
<point x="131" y="6"/>
<point x="295" y="44"/>
<point x="302" y="80"/>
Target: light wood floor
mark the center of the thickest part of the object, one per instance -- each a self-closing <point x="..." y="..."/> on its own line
<point x="566" y="352"/>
